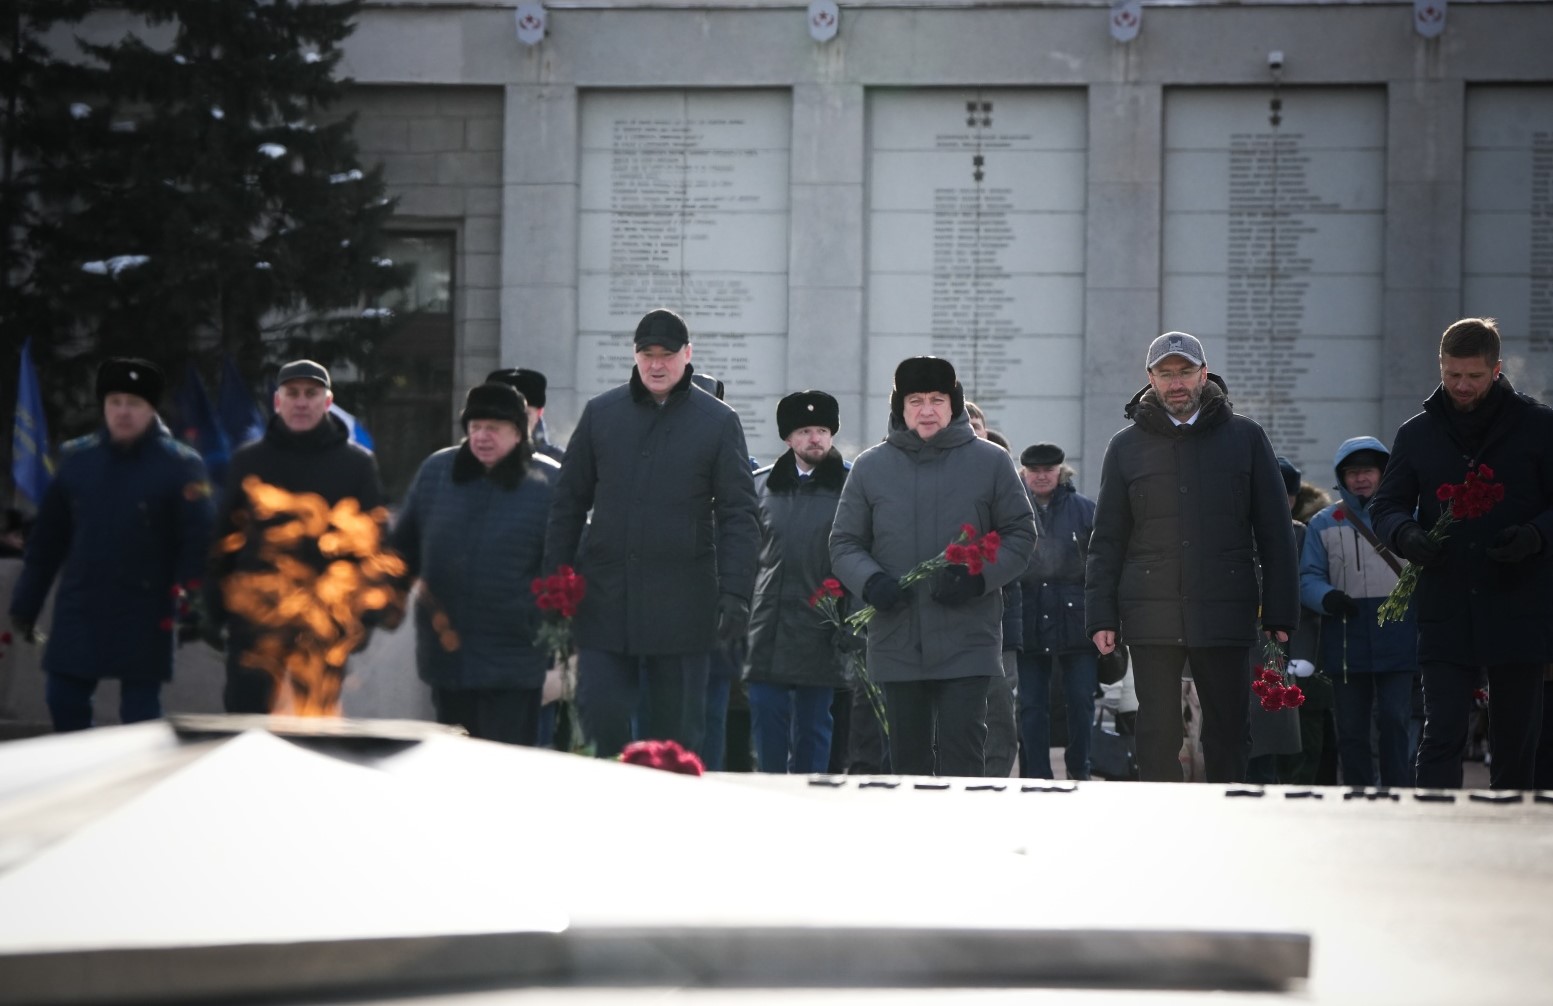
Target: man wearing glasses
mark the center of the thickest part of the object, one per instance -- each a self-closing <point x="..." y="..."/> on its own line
<point x="1190" y="500"/>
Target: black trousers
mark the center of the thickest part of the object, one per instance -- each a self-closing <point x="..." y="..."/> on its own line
<point x="1514" y="723"/>
<point x="1223" y="679"/>
<point x="868" y="749"/>
<point x="672" y="689"/>
<point x="507" y="715"/>
<point x="944" y="718"/>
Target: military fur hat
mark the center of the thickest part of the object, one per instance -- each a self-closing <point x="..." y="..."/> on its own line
<point x="807" y="408"/>
<point x="917" y="374"/>
<point x="531" y="384"/>
<point x="497" y="401"/>
<point x="131" y="376"/>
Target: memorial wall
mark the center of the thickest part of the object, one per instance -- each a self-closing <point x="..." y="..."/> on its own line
<point x="1507" y="259"/>
<point x="1274" y="227"/>
<point x="975" y="251"/>
<point x="683" y="204"/>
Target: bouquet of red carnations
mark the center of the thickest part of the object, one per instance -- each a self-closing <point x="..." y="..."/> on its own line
<point x="1273" y="683"/>
<point x="969" y="549"/>
<point x="1464" y="500"/>
<point x="561" y="592"/>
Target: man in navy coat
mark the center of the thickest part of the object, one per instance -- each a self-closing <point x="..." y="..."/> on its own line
<point x="123" y="526"/>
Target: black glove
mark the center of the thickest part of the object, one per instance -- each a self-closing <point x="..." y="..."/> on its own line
<point x="955" y="584"/>
<point x="213" y="634"/>
<point x="733" y="618"/>
<point x="846" y="641"/>
<point x="1417" y="547"/>
<point x="1514" y="544"/>
<point x="883" y="592"/>
<point x="25" y="629"/>
<point x="1338" y="603"/>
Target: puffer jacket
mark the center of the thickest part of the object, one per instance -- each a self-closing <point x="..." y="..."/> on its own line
<point x="904" y="501"/>
<point x="1337" y="557"/>
<point x="1054" y="582"/>
<point x="789" y="643"/>
<point x="476" y="537"/>
<point x="1183" y="514"/>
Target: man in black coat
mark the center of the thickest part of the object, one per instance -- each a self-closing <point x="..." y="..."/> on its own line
<point x="306" y="454"/>
<point x="1190" y="496"/>
<point x="669" y="556"/>
<point x="793" y="668"/>
<point x="1485" y="592"/>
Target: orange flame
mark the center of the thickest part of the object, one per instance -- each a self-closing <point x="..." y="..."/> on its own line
<point x="328" y="570"/>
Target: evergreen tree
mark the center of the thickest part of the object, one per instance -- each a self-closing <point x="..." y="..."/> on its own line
<point x="197" y="195"/>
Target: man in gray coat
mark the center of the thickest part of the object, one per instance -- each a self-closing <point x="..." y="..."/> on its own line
<point x="793" y="669"/>
<point x="669" y="557"/>
<point x="934" y="647"/>
<point x="1190" y="496"/>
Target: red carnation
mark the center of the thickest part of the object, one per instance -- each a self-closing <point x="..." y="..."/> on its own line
<point x="1485" y="472"/>
<point x="990" y="543"/>
<point x="666" y="755"/>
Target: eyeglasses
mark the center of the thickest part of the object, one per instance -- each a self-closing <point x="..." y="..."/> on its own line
<point x="1172" y="376"/>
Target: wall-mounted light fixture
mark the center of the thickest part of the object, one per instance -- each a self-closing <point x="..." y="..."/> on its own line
<point x="1126" y="19"/>
<point x="824" y="20"/>
<point x="531" y="22"/>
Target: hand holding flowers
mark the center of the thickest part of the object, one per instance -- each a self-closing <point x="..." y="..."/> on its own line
<point x="1466" y="500"/>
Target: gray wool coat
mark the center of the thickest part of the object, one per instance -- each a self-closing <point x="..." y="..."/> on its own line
<point x="674" y="519"/>
<point x="904" y="501"/>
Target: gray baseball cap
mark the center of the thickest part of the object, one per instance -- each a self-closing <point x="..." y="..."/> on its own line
<point x="1175" y="344"/>
<point x="303" y="370"/>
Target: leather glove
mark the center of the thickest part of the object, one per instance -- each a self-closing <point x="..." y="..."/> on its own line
<point x="1514" y="544"/>
<point x="883" y="592"/>
<point x="213" y="634"/>
<point x="846" y="641"/>
<point x="955" y="584"/>
<point x="1338" y="603"/>
<point x="24" y="629"/>
<point x="1417" y="547"/>
<point x="733" y="618"/>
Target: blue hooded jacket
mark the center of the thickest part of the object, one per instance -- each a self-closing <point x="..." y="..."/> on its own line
<point x="1337" y="557"/>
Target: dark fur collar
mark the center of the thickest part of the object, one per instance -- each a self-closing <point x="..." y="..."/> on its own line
<point x="830" y="473"/>
<point x="1146" y="411"/>
<point x="507" y="473"/>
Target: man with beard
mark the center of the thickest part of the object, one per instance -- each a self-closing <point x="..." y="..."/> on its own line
<point x="1484" y="592"/>
<point x="793" y="668"/>
<point x="1190" y="497"/>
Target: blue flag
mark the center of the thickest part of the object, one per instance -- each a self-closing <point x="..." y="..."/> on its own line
<point x="358" y="432"/>
<point x="241" y="419"/>
<point x="30" y="466"/>
<point x="198" y="428"/>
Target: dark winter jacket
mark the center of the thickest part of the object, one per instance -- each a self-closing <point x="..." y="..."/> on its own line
<point x="476" y="539"/>
<point x="1472" y="610"/>
<point x="1337" y="557"/>
<point x="904" y="501"/>
<point x="674" y="518"/>
<point x="321" y="462"/>
<point x="790" y="644"/>
<point x="1183" y="515"/>
<point x="120" y="526"/>
<point x="1054" y="581"/>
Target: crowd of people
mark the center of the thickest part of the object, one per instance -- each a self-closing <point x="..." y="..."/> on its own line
<point x="965" y="585"/>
